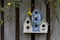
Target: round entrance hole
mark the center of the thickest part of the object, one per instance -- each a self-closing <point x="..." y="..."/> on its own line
<point x="36" y="18"/>
<point x="36" y="25"/>
<point x="43" y="25"/>
<point x="27" y="22"/>
<point x="27" y="27"/>
<point x="36" y="12"/>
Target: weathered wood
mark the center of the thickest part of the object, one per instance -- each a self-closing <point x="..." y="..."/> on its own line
<point x="24" y="8"/>
<point x="9" y="22"/>
<point x="42" y="8"/>
<point x="55" y="24"/>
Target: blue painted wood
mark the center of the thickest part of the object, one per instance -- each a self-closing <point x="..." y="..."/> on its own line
<point x="36" y="19"/>
<point x="36" y="16"/>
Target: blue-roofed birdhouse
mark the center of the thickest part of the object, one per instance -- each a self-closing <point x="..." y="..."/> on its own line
<point x="36" y="16"/>
<point x="35" y="23"/>
<point x="36" y="19"/>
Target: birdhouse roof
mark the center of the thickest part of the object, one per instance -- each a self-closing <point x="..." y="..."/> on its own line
<point x="36" y="10"/>
<point x="44" y="20"/>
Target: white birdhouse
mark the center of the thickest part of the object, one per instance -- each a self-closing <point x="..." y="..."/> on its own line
<point x="43" y="26"/>
<point x="27" y="27"/>
<point x="35" y="24"/>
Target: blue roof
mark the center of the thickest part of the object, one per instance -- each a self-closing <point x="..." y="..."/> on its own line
<point x="36" y="16"/>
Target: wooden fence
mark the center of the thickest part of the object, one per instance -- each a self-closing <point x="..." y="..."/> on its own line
<point x="13" y="17"/>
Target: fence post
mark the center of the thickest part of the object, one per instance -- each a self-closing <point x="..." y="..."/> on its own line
<point x="17" y="22"/>
<point x="32" y="8"/>
<point x="2" y="17"/>
<point x="48" y="19"/>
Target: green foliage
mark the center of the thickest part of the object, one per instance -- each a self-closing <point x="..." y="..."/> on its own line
<point x="14" y="3"/>
<point x="59" y="1"/>
<point x="1" y="22"/>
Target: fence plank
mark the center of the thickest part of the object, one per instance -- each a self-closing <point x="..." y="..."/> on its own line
<point x="9" y="22"/>
<point x="42" y="8"/>
<point x="23" y="14"/>
<point x="2" y="17"/>
<point x="55" y="24"/>
<point x="32" y="9"/>
<point x="48" y="19"/>
<point x="17" y="23"/>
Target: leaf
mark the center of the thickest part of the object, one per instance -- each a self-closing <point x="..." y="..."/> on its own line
<point x="59" y="1"/>
<point x="1" y="22"/>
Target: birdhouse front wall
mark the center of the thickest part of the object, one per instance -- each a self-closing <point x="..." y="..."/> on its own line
<point x="43" y="28"/>
<point x="27" y="28"/>
<point x="36" y="16"/>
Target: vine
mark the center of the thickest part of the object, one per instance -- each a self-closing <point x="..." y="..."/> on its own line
<point x="53" y="4"/>
<point x="1" y="22"/>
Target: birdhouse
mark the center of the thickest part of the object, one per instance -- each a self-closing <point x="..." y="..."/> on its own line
<point x="35" y="23"/>
<point x="43" y="26"/>
<point x="36" y="16"/>
<point x="35" y="28"/>
<point x="36" y="19"/>
<point x="27" y="27"/>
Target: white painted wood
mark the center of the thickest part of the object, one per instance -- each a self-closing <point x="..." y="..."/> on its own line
<point x="44" y="26"/>
<point x="44" y="29"/>
<point x="25" y="29"/>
